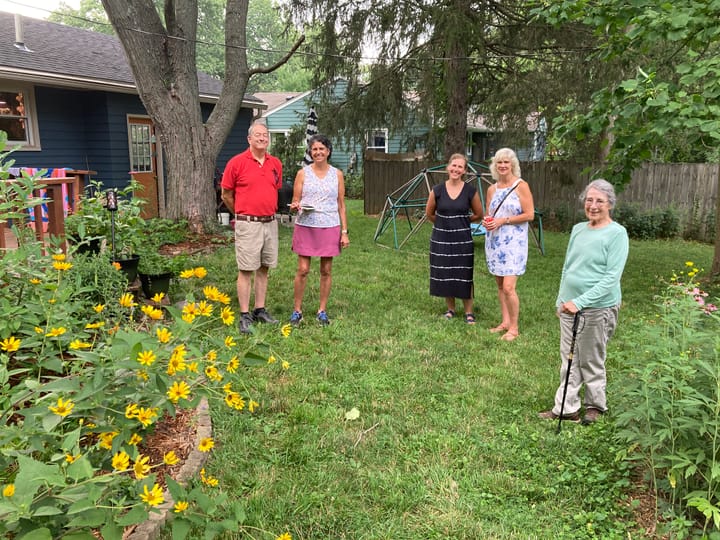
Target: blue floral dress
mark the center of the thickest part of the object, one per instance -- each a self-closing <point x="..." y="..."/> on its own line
<point x="506" y="248"/>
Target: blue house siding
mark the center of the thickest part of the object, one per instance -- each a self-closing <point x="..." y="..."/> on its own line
<point x="88" y="130"/>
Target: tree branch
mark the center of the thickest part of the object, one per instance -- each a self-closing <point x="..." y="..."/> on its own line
<point x="283" y="60"/>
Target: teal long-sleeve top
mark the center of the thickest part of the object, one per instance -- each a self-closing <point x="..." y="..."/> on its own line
<point x="594" y="262"/>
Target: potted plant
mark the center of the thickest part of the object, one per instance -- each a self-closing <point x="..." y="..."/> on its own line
<point x="156" y="271"/>
<point x="89" y="224"/>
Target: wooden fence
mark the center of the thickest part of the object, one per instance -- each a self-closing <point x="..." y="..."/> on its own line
<point x="690" y="188"/>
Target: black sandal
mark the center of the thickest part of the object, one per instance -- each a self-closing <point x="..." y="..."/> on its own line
<point x="449" y="314"/>
<point x="470" y="318"/>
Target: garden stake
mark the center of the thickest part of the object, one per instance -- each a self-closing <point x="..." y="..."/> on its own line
<point x="576" y="320"/>
<point x="112" y="208"/>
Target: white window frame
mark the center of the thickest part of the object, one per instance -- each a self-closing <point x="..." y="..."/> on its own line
<point x="31" y="125"/>
<point x="371" y="136"/>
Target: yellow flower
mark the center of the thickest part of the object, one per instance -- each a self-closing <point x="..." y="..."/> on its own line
<point x="121" y="461"/>
<point x="689" y="263"/>
<point x="62" y="408"/>
<point x="170" y="458"/>
<point x="141" y="467"/>
<point x="209" y="480"/>
<point x="99" y="308"/>
<point x="252" y="405"/>
<point x="39" y="330"/>
<point x="206" y="444"/>
<point x="227" y="387"/>
<point x="78" y="344"/>
<point x="205" y="309"/>
<point x="187" y="274"/>
<point x="131" y="410"/>
<point x="230" y="342"/>
<point x="180" y="507"/>
<point x="71" y="459"/>
<point x="272" y="359"/>
<point x="35" y="281"/>
<point x="154" y="497"/>
<point x="211" y="292"/>
<point x="9" y="490"/>
<point x="284" y="536"/>
<point x="213" y="374"/>
<point x="145" y="416"/>
<point x="146" y="358"/>
<point x="233" y="364"/>
<point x="116" y="265"/>
<point x="192" y="367"/>
<point x="163" y="334"/>
<point x="200" y="272"/>
<point x="211" y="355"/>
<point x="286" y="330"/>
<point x="62" y="266"/>
<point x="178" y="390"/>
<point x="127" y="300"/>
<point x="106" y="439"/>
<point x="158" y="297"/>
<point x="135" y="439"/>
<point x="92" y="326"/>
<point x="143" y="375"/>
<point x="223" y="298"/>
<point x="10" y="344"/>
<point x="58" y="256"/>
<point x="234" y="401"/>
<point x="285" y="364"/>
<point x="152" y="312"/>
<point x="227" y="316"/>
<point x="55" y="332"/>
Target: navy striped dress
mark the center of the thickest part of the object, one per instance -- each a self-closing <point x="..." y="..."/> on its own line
<point x="452" y="251"/>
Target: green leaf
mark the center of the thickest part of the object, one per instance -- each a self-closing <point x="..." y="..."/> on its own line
<point x="80" y="469"/>
<point x="80" y="506"/>
<point x="79" y="535"/>
<point x="37" y="534"/>
<point x="180" y="528"/>
<point x="92" y="517"/>
<point x="47" y="511"/>
<point x="50" y="421"/>
<point x="111" y="531"/>
<point x="136" y="515"/>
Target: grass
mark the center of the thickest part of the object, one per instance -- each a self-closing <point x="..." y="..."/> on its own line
<point x="447" y="443"/>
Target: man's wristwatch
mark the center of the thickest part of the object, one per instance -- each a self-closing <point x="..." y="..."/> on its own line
<point x="344" y="231"/>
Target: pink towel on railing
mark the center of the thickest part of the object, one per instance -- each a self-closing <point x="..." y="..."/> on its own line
<point x="58" y="172"/>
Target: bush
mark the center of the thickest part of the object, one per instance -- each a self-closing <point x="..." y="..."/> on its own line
<point x="354" y="186"/>
<point x="647" y="225"/>
<point x="669" y="399"/>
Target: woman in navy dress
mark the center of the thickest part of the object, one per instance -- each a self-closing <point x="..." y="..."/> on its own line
<point x="451" y="207"/>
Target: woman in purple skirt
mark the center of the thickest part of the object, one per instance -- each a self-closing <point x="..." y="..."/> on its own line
<point x="321" y="225"/>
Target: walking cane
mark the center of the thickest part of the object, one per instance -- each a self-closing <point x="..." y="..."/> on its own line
<point x="576" y="321"/>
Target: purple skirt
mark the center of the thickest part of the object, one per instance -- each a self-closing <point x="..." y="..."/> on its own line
<point x="316" y="241"/>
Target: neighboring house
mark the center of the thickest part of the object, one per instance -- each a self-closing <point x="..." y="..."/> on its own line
<point x="68" y="98"/>
<point x="289" y="110"/>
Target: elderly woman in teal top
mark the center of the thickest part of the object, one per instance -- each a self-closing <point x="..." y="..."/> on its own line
<point x="321" y="225"/>
<point x="590" y="285"/>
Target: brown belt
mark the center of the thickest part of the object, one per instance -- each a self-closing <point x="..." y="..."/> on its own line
<point x="261" y="219"/>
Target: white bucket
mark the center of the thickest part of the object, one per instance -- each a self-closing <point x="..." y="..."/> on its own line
<point x="224" y="218"/>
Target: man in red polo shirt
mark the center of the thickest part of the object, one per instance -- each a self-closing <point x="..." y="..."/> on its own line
<point x="250" y="187"/>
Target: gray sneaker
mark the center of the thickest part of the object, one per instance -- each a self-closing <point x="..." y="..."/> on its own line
<point x="246" y="321"/>
<point x="263" y="316"/>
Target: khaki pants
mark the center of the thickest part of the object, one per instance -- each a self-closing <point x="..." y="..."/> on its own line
<point x="595" y="329"/>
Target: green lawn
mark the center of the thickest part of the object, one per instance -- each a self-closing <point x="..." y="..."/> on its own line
<point x="447" y="443"/>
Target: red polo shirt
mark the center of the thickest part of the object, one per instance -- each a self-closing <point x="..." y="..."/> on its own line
<point x="256" y="185"/>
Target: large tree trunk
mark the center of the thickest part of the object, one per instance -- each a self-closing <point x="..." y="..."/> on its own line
<point x="456" y="85"/>
<point x="162" y="58"/>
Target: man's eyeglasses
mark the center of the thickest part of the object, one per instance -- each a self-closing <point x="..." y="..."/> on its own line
<point x="599" y="202"/>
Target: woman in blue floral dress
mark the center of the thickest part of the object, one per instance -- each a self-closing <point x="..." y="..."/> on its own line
<point x="510" y="209"/>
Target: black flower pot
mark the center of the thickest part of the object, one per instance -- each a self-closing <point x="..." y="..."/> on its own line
<point x="153" y="284"/>
<point x="90" y="246"/>
<point x="129" y="266"/>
